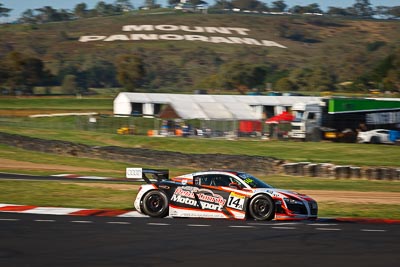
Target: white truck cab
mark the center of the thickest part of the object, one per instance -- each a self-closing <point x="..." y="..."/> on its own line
<point x="307" y="118"/>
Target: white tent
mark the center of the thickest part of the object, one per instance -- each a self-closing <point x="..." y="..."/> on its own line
<point x="207" y="107"/>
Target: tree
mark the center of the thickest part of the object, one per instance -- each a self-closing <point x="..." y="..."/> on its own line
<point x="222" y="4"/>
<point x="312" y="8"/>
<point x="278" y="6"/>
<point x="174" y="2"/>
<point x="362" y="8"/>
<point x="4" y="11"/>
<point x="337" y="11"/>
<point x="28" y="17"/>
<point x="69" y="85"/>
<point x="101" y="74"/>
<point x="241" y="76"/>
<point x="151" y="4"/>
<point x="80" y="10"/>
<point x="124" y="5"/>
<point x="24" y="72"/>
<point x="285" y="85"/>
<point x="394" y="12"/>
<point x="104" y="9"/>
<point x="321" y="80"/>
<point x="47" y="14"/>
<point x="249" y="4"/>
<point x="130" y="71"/>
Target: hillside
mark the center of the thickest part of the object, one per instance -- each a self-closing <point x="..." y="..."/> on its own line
<point x="347" y="49"/>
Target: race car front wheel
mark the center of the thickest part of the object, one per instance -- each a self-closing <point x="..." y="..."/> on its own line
<point x="262" y="208"/>
<point x="155" y="204"/>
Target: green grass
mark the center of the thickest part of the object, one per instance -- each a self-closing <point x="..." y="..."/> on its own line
<point x="84" y="195"/>
<point x="57" y="103"/>
<point x="321" y="152"/>
<point x="65" y="194"/>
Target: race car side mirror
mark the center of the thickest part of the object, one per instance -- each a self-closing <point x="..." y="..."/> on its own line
<point x="235" y="185"/>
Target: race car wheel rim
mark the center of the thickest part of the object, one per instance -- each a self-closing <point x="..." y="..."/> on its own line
<point x="155" y="204"/>
<point x="262" y="208"/>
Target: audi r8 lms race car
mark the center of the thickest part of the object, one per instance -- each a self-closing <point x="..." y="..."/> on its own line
<point x="219" y="194"/>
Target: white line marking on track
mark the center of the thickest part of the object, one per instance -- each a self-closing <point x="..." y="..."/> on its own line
<point x="160" y="224"/>
<point x="198" y="225"/>
<point x="287" y="223"/>
<point x="119" y="222"/>
<point x="328" y="229"/>
<point x="373" y="230"/>
<point x="283" y="227"/>
<point x="51" y="211"/>
<point x="241" y="226"/>
<point x="133" y="214"/>
<point x="45" y="220"/>
<point x="260" y="224"/>
<point x="82" y="221"/>
<point x="10" y="220"/>
<point x="322" y="224"/>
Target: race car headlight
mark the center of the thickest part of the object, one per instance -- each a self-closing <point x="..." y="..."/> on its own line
<point x="292" y="201"/>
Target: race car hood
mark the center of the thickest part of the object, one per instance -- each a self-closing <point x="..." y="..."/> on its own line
<point x="284" y="193"/>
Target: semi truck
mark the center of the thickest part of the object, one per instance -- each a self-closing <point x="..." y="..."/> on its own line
<point x="340" y="119"/>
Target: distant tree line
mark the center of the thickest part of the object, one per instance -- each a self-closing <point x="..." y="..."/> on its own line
<point x="196" y="68"/>
<point x="361" y="8"/>
<point x="145" y="71"/>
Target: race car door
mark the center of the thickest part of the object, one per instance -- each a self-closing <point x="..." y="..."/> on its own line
<point x="222" y="190"/>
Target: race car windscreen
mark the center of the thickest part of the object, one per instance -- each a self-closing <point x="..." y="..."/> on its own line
<point x="252" y="181"/>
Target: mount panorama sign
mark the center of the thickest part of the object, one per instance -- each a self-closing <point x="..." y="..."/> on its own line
<point x="191" y="33"/>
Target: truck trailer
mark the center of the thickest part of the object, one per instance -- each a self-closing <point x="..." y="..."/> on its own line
<point x="340" y="119"/>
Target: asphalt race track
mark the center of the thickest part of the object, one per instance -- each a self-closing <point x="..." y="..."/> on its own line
<point x="49" y="240"/>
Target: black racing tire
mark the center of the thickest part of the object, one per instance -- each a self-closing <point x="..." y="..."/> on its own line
<point x="262" y="208"/>
<point x="375" y="140"/>
<point x="155" y="204"/>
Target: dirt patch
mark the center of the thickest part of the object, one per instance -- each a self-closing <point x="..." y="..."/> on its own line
<point x="353" y="196"/>
<point x="23" y="165"/>
<point x="319" y="195"/>
<point x="122" y="187"/>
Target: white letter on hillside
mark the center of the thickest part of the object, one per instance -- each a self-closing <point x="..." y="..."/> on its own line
<point x="144" y="37"/>
<point x="167" y="27"/>
<point x="85" y="39"/>
<point x="171" y="37"/>
<point x="249" y="41"/>
<point x="216" y="40"/>
<point x="117" y="37"/>
<point x="271" y="43"/>
<point x="218" y="30"/>
<point x="241" y="31"/>
<point x="187" y="29"/>
<point x="196" y="38"/>
<point x="138" y="28"/>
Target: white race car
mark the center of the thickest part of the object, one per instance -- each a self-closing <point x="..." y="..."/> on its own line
<point x="220" y="194"/>
<point x="374" y="137"/>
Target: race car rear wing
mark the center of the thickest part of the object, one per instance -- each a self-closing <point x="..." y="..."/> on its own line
<point x="148" y="175"/>
<point x="158" y="175"/>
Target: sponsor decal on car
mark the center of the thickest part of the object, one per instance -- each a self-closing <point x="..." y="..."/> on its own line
<point x="194" y="196"/>
<point x="236" y="201"/>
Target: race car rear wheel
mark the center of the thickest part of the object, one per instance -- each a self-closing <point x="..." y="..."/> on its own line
<point x="262" y="208"/>
<point x="155" y="204"/>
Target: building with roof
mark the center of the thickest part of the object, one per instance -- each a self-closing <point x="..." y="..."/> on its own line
<point x="205" y="107"/>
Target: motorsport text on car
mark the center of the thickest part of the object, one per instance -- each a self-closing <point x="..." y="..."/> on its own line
<point x="219" y="194"/>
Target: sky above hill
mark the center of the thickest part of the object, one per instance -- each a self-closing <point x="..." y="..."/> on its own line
<point x="20" y="6"/>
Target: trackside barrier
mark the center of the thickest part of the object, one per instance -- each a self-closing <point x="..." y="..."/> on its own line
<point x="328" y="170"/>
